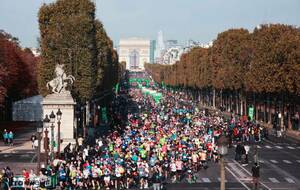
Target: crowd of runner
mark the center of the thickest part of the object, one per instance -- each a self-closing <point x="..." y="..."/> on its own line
<point x="150" y="144"/>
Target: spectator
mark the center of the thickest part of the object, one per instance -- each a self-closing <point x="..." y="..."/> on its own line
<point x="5" y="137"/>
<point x="255" y="175"/>
<point x="33" y="138"/>
<point x="10" y="138"/>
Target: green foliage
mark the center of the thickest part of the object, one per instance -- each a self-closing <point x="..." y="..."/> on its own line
<point x="70" y="35"/>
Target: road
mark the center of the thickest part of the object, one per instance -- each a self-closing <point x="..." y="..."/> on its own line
<point x="279" y="161"/>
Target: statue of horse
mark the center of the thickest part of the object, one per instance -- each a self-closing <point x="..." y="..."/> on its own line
<point x="60" y="82"/>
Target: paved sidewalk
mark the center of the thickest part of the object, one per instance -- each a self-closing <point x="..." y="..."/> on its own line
<point x="21" y="142"/>
<point x="20" y="155"/>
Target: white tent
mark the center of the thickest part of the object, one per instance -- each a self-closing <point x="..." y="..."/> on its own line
<point x="29" y="109"/>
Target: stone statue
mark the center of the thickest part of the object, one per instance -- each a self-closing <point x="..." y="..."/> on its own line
<point x="59" y="84"/>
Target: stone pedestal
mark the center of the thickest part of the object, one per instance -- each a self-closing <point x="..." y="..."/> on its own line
<point x="65" y="103"/>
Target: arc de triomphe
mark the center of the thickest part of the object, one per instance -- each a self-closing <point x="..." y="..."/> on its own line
<point x="135" y="52"/>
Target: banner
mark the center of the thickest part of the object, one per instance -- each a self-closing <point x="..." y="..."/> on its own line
<point x="19" y="182"/>
<point x="251" y="112"/>
<point x="117" y="88"/>
<point x="104" y="114"/>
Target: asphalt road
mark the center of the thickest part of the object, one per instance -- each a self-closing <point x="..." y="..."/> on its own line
<point x="279" y="160"/>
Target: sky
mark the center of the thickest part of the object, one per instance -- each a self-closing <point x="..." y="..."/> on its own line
<point x="200" y="20"/>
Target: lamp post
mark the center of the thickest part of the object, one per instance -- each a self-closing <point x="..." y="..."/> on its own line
<point x="83" y="121"/>
<point x="39" y="131"/>
<point x="58" y="114"/>
<point x="52" y="120"/>
<point x="223" y="150"/>
<point x="46" y="123"/>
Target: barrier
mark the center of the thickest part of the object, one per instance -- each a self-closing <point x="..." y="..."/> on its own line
<point x="19" y="182"/>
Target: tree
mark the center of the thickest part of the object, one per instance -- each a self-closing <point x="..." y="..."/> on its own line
<point x="67" y="31"/>
<point x="71" y="35"/>
<point x="16" y="66"/>
<point x="263" y="66"/>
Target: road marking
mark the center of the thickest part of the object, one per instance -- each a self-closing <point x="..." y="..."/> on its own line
<point x="268" y="188"/>
<point x="287" y="161"/>
<point x="258" y="146"/>
<point x="237" y="179"/>
<point x="267" y="146"/>
<point x="289" y="180"/>
<point x="279" y="147"/>
<point x="274" y="161"/>
<point x="206" y="180"/>
<point x="290" y="147"/>
<point x="273" y="180"/>
<point x="298" y="161"/>
<point x="220" y="179"/>
<point x="298" y="147"/>
<point x="240" y="173"/>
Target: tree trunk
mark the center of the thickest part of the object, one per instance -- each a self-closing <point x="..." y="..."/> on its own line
<point x="245" y="106"/>
<point x="214" y="98"/>
<point x="237" y="102"/>
<point x="221" y="94"/>
<point x="241" y="102"/>
<point x="255" y="107"/>
<point x="282" y="113"/>
<point x="269" y="109"/>
<point x="289" y="111"/>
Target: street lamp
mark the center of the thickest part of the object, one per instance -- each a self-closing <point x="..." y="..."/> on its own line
<point x="223" y="150"/>
<point x="39" y="131"/>
<point x="52" y="120"/>
<point x="58" y="114"/>
<point x="46" y="123"/>
<point x="83" y="120"/>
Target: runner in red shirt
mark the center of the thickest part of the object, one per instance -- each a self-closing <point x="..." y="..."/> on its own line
<point x="26" y="177"/>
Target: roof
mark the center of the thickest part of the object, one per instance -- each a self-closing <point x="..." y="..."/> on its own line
<point x="31" y="100"/>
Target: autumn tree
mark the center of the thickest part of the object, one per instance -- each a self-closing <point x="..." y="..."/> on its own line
<point x="16" y="66"/>
<point x="244" y="68"/>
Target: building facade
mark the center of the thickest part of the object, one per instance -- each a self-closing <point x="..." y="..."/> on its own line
<point x="160" y="46"/>
<point x="152" y="51"/>
<point x="135" y="52"/>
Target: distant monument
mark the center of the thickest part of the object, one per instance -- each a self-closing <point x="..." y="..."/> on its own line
<point x="61" y="98"/>
<point x="135" y="52"/>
